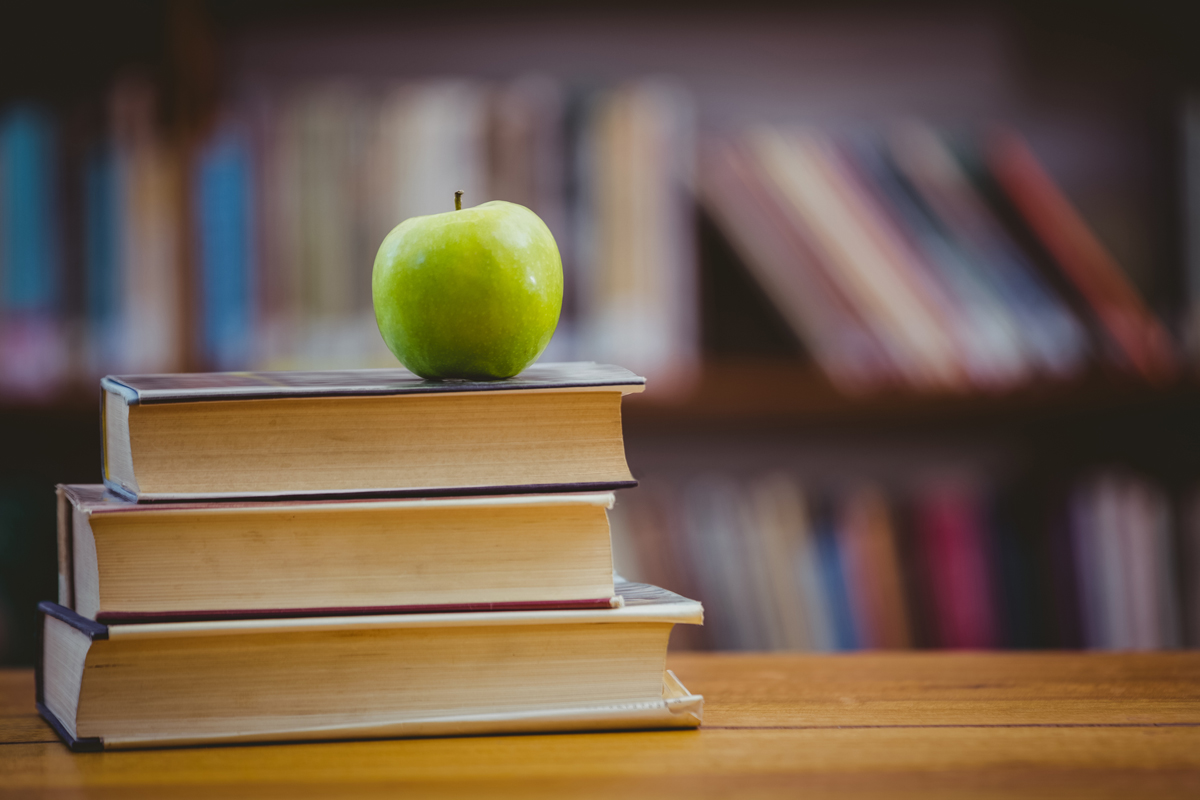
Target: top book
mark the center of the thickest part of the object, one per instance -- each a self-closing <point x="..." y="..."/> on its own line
<point x="386" y="432"/>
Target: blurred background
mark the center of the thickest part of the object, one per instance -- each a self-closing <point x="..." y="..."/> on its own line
<point x="916" y="285"/>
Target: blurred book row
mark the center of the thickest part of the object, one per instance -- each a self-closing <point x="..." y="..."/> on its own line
<point x="901" y="257"/>
<point x="900" y="260"/>
<point x="1110" y="564"/>
<point x="254" y="247"/>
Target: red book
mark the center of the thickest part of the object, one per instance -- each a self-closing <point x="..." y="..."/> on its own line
<point x="1138" y="334"/>
<point x="951" y="530"/>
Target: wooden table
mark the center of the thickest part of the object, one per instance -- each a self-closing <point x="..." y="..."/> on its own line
<point x="903" y="724"/>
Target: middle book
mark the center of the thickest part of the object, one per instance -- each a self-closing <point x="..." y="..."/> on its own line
<point x="127" y="562"/>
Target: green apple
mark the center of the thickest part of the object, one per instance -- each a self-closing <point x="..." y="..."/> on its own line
<point x="473" y="293"/>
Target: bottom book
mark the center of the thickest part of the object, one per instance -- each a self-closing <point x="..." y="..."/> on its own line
<point x="190" y="683"/>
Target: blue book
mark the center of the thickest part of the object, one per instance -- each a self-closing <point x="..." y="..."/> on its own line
<point x="223" y="226"/>
<point x="29" y="241"/>
<point x="834" y="578"/>
<point x="101" y="253"/>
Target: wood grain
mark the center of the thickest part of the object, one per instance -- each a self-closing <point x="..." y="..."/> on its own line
<point x="938" y="688"/>
<point x="896" y="725"/>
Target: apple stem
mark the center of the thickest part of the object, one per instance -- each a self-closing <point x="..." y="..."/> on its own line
<point x="458" y="200"/>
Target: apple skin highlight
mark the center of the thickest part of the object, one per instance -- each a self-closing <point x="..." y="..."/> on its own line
<point x="473" y="293"/>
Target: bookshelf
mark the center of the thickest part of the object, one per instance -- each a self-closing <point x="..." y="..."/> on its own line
<point x="753" y="394"/>
<point x="789" y="391"/>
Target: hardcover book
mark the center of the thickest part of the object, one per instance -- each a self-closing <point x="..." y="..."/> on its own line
<point x="226" y="681"/>
<point x="555" y="427"/>
<point x="121" y="561"/>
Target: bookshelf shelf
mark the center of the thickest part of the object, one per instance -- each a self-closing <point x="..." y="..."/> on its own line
<point x="733" y="391"/>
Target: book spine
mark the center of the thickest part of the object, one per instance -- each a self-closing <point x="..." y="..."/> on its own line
<point x="34" y="357"/>
<point x="1190" y="133"/>
<point x="66" y="572"/>
<point x="640" y="266"/>
<point x="148" y="219"/>
<point x="31" y="279"/>
<point x="1066" y="583"/>
<point x="1189" y="570"/>
<point x="94" y="631"/>
<point x="223" y="224"/>
<point x="835" y="578"/>
<point x="954" y="551"/>
<point x="101" y="252"/>
<point x="778" y="513"/>
<point x="1166" y="586"/>
<point x="1141" y="337"/>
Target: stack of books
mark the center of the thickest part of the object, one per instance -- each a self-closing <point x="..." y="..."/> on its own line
<point x="291" y="556"/>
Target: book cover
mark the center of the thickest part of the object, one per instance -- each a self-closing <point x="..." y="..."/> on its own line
<point x="213" y="386"/>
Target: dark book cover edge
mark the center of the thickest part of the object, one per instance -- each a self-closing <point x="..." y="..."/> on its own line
<point x="65" y="541"/>
<point x="103" y="433"/>
<point x="75" y="494"/>
<point x="143" y="617"/>
<point x="92" y="744"/>
<point x="441" y="491"/>
<point x="113" y="384"/>
<point x="626" y="594"/>
<point x="39" y="688"/>
<point x="96" y="498"/>
<point x="121" y="385"/>
<point x="93" y="630"/>
<point x="119" y="490"/>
